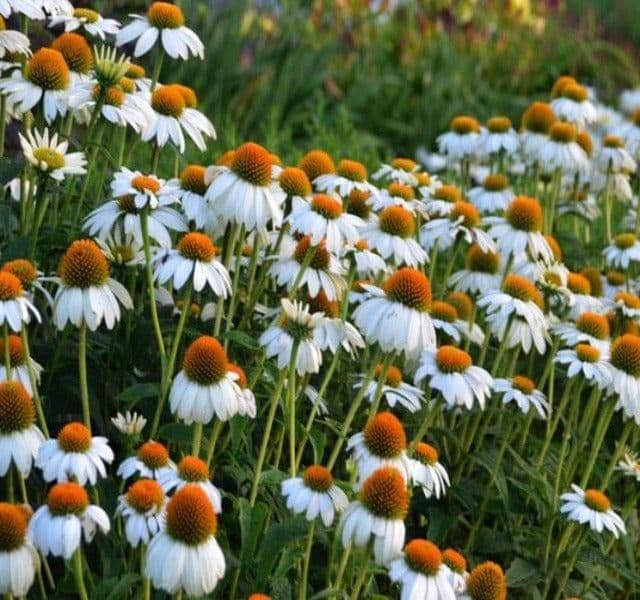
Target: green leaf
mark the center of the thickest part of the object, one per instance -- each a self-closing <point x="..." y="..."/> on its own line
<point x="176" y="432"/>
<point x="16" y="248"/>
<point x="522" y="573"/>
<point x="252" y="521"/>
<point x="9" y="169"/>
<point x="115" y="587"/>
<point x="278" y="537"/>
<point x="242" y="339"/>
<point x="137" y="392"/>
<point x="318" y="441"/>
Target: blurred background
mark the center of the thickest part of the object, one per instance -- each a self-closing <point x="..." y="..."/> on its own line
<point x="377" y="78"/>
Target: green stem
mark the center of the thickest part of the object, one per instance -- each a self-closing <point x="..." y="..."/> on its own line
<point x="213" y="438"/>
<point x="41" y="205"/>
<point x="571" y="563"/>
<point x="146" y="582"/>
<point x="559" y="412"/>
<point x="428" y="418"/>
<point x="157" y="67"/>
<point x="42" y="422"/>
<point x="302" y="595"/>
<point x="197" y="439"/>
<point x="78" y="575"/>
<point x="82" y="366"/>
<point x="3" y="122"/>
<point x="615" y="457"/>
<point x="291" y="401"/>
<point x="598" y="439"/>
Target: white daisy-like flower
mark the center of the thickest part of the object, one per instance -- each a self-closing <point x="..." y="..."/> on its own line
<point x="130" y="423"/>
<point x="89" y="20"/>
<point x="247" y="399"/>
<point x="630" y="100"/>
<point x="523" y="392"/>
<point x="617" y="184"/>
<point x="74" y="455"/>
<point x="582" y="203"/>
<point x="192" y="470"/>
<point x="294" y="327"/>
<point x="323" y="218"/>
<point x="13" y="42"/>
<point x="451" y="371"/>
<point x="590" y="327"/>
<point x="86" y="293"/>
<point x="29" y="8"/>
<point x="45" y="78"/>
<point x="562" y="151"/>
<point x="349" y="175"/>
<point x="244" y="193"/>
<point x="394" y="390"/>
<point x="368" y="263"/>
<point x="143" y="190"/>
<point x="582" y="299"/>
<point x="624" y="249"/>
<point x="18" y="558"/>
<point x="122" y="250"/>
<point x="613" y="156"/>
<point x="397" y="316"/>
<point x="457" y="570"/>
<point x="151" y="461"/>
<point x="573" y="105"/>
<point x="614" y="282"/>
<point x="588" y="362"/>
<point x="143" y="510"/>
<point x="629" y="465"/>
<point x="536" y="123"/>
<point x="625" y="383"/>
<point x="191" y="190"/>
<point x="332" y="331"/>
<point x="440" y="202"/>
<point x="205" y="387"/>
<point x="482" y="272"/>
<point x="378" y="515"/>
<point x="520" y="230"/>
<point x="20" y="365"/>
<point x="593" y="508"/>
<point x="15" y="307"/>
<point x="50" y="157"/>
<point x="398" y="194"/>
<point x="392" y="236"/>
<point x="493" y="196"/>
<point x="461" y="141"/>
<point x="314" y="494"/>
<point x="185" y="555"/>
<point x="382" y="443"/>
<point x="56" y="7"/>
<point x="428" y="472"/>
<point x="20" y="438"/>
<point x="57" y="527"/>
<point x="498" y="138"/>
<point x="400" y="170"/>
<point x="166" y="22"/>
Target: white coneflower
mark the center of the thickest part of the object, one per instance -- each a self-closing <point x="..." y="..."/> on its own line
<point x="145" y="191"/>
<point x="536" y="123"/>
<point x="18" y="558"/>
<point x="629" y="465"/>
<point x="400" y="170"/>
<point x="349" y="175"/>
<point x="122" y="250"/>
<point x="593" y="508"/>
<point x="582" y="299"/>
<point x="523" y="392"/>
<point x="89" y="20"/>
<point x="461" y="141"/>
<point x="142" y="509"/>
<point x="129" y="423"/>
<point x="588" y="362"/>
<point x="16" y="308"/>
<point x="397" y="194"/>
<point x="493" y="196"/>
<point x="613" y="156"/>
<point x="625" y="360"/>
<point x="19" y="363"/>
<point x="457" y="569"/>
<point x="441" y="201"/>
<point x="191" y="190"/>
<point x="624" y="249"/>
<point x="482" y="272"/>
<point x="314" y="494"/>
<point x="428" y="472"/>
<point x="12" y="42"/>
<point x="29" y="8"/>
<point x="394" y="390"/>
<point x="562" y="151"/>
<point x="164" y="21"/>
<point x="50" y="157"/>
<point x="498" y="138"/>
<point x="590" y="327"/>
<point x="332" y="331"/>
<point x="368" y="263"/>
<point x="151" y="461"/>
<point x="78" y="55"/>
<point x="573" y="105"/>
<point x="192" y="470"/>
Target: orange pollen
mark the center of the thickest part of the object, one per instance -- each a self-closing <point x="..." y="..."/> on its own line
<point x="321" y="258"/>
<point x="394" y="375"/>
<point x="594" y="324"/>
<point x="587" y="353"/>
<point x="17" y="411"/>
<point x="409" y="287"/>
<point x="242" y="380"/>
<point x="75" y="50"/>
<point x="362" y="245"/>
<point x="197" y="246"/>
<point x="315" y="163"/>
<point x="524" y="384"/>
<point x="524" y="214"/>
<point x="448" y="193"/>
<point x="578" y="284"/>
<point x="499" y="124"/>
<point x="13" y="527"/>
<point x="352" y="170"/>
<point x="462" y="303"/>
<point x="84" y="265"/>
<point x="523" y="289"/>
<point x="17" y="355"/>
<point x="616" y="278"/>
<point x="625" y="240"/>
<point x="146" y="182"/>
<point x="321" y="303"/>
<point x="87" y="15"/>
<point x="67" y="499"/>
<point x="226" y="160"/>
<point x="318" y="478"/>
<point x="452" y="360"/>
<point x="398" y="221"/>
<point x="168" y="101"/>
<point x="205" y="361"/>
<point x="113" y="96"/>
<point x="252" y="163"/>
<point x="193" y="469"/>
<point x="482" y="262"/>
<point x="495" y="182"/>
<point x="10" y="287"/>
<point x="404" y="164"/>
<point x="192" y="179"/>
<point x="401" y="191"/>
<point x="443" y="311"/>
<point x="595" y="280"/>
<point x="613" y="141"/>
<point x="135" y="71"/>
<point x="294" y="182"/>
<point x="423" y="178"/>
<point x="625" y="354"/>
<point x="74" y="438"/>
<point x="358" y="205"/>
<point x="48" y="70"/>
<point x="555" y="247"/>
<point x="327" y="206"/>
<point x="560" y="83"/>
<point x="23" y="269"/>
<point x="385" y="494"/>
<point x="164" y="15"/>
<point x="487" y="582"/>
<point x="468" y="212"/>
<point x="628" y="299"/>
<point x="385" y="436"/>
<point x="596" y="500"/>
<point x="426" y="454"/>
<point x="538" y="118"/>
<point x="145" y="495"/>
<point x="585" y="142"/>
<point x="423" y="556"/>
<point x="463" y="125"/>
<point x="454" y="560"/>
<point x="575" y="91"/>
<point x="153" y="455"/>
<point x="188" y="94"/>
<point x="190" y="516"/>
<point x="259" y="597"/>
<point x="563" y="133"/>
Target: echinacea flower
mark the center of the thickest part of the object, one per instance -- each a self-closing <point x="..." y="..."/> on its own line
<point x="20" y="438"/>
<point x="86" y="293"/>
<point x="332" y="331"/>
<point x="394" y="390"/>
<point x="498" y="138"/>
<point x="85" y="18"/>
<point x="399" y="170"/>
<point x="18" y="558"/>
<point x="588" y="362"/>
<point x="397" y="194"/>
<point x="522" y="390"/>
<point x="185" y="555"/>
<point x="151" y="461"/>
<point x="122" y="250"/>
<point x="143" y="511"/>
<point x="165" y="21"/>
<point x="590" y="327"/>
<point x="316" y="162"/>
<point x="625" y="360"/>
<point x="130" y="423"/>
<point x="382" y="443"/>
<point x="19" y="363"/>
<point x="441" y="201"/>
<point x="29" y="8"/>
<point x="451" y="372"/>
<point x="428" y="472"/>
<point x="77" y="54"/>
<point x="592" y="507"/>
<point x="493" y="196"/>
<point x="573" y="105"/>
<point x="562" y="152"/>
<point x="349" y="175"/>
<point x="613" y="157"/>
<point x="461" y="141"/>
<point x="144" y="191"/>
<point x="536" y="123"/>
<point x="192" y="470"/>
<point x="56" y="528"/>
<point x="50" y="157"/>
<point x="191" y="190"/>
<point x="378" y="514"/>
<point x="74" y="456"/>
<point x="624" y="249"/>
<point x="421" y="573"/>
<point x="629" y="465"/>
<point x="368" y="263"/>
<point x="481" y="272"/>
<point x="487" y="581"/>
<point x="396" y="316"/>
<point x="314" y="494"/>
<point x="55" y="7"/>
<point x="457" y="569"/>
<point x="205" y="386"/>
<point x="12" y="42"/>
